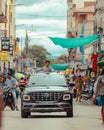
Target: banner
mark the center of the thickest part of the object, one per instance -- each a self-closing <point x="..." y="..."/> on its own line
<point x="74" y="42"/>
<point x="17" y="50"/>
<point x="60" y="66"/>
<point x="5" y="44"/>
<point x="4" y="56"/>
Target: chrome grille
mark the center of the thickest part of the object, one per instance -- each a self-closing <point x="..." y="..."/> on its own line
<point x="46" y="96"/>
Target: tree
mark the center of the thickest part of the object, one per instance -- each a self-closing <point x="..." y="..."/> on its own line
<point x="38" y="53"/>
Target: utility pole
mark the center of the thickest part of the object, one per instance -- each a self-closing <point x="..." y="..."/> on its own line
<point x="5" y="30"/>
<point x="26" y="43"/>
<point x="100" y="32"/>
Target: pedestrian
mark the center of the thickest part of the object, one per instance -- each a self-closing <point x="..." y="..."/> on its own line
<point x="1" y="81"/>
<point x="79" y="85"/>
<point x="1" y="108"/>
<point x="99" y="91"/>
<point x="92" y="81"/>
<point x="12" y="83"/>
<point x="77" y="71"/>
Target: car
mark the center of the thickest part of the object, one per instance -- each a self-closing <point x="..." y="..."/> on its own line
<point x="46" y="92"/>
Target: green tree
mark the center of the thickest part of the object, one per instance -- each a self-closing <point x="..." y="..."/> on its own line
<point x="37" y="52"/>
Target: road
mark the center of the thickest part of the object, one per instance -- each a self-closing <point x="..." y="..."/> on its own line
<point x="86" y="117"/>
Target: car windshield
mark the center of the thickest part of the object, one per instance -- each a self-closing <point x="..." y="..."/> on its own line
<point x="46" y="80"/>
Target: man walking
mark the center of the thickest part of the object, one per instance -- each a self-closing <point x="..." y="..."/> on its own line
<point x="99" y="90"/>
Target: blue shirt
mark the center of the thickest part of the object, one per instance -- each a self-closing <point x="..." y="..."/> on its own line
<point x="11" y="82"/>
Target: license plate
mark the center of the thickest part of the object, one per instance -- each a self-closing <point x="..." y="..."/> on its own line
<point x="46" y="103"/>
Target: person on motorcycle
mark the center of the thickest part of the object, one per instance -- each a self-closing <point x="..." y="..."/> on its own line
<point x="12" y="83"/>
<point x="22" y="84"/>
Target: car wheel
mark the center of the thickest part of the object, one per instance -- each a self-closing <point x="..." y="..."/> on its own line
<point x="24" y="114"/>
<point x="29" y="113"/>
<point x="69" y="113"/>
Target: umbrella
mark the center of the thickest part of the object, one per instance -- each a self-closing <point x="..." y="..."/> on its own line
<point x="19" y="75"/>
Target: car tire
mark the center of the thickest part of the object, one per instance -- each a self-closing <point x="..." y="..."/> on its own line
<point x="29" y="113"/>
<point x="69" y="113"/>
<point x="24" y="114"/>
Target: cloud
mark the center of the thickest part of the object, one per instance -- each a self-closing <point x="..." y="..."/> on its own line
<point x="42" y="19"/>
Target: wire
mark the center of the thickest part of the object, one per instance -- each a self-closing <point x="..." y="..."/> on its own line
<point x="40" y="15"/>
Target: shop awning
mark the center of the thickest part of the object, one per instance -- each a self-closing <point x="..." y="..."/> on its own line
<point x="74" y="42"/>
<point x="60" y="66"/>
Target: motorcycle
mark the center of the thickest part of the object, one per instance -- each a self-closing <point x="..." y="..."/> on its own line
<point x="8" y="98"/>
<point x="86" y="94"/>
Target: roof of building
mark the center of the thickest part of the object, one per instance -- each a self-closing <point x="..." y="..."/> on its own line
<point x="88" y="9"/>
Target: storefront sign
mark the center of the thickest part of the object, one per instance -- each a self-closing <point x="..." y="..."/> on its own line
<point x="4" y="56"/>
<point x="5" y="44"/>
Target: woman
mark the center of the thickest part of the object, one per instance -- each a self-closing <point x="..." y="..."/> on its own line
<point x="99" y="91"/>
<point x="79" y="85"/>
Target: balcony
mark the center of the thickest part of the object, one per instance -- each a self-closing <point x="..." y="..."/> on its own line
<point x="2" y="11"/>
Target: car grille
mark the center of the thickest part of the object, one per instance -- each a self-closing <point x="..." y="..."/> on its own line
<point x="46" y="96"/>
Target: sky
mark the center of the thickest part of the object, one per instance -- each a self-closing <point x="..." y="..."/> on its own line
<point x="42" y="19"/>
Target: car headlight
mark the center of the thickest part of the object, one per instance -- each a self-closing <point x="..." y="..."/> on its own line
<point x="66" y="97"/>
<point x="26" y="97"/>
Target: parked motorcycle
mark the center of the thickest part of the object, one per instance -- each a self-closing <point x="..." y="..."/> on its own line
<point x="8" y="98"/>
<point x="86" y="94"/>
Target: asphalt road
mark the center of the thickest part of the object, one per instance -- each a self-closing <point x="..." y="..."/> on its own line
<point x="86" y="117"/>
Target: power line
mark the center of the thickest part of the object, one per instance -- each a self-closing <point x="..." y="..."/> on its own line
<point x="41" y="15"/>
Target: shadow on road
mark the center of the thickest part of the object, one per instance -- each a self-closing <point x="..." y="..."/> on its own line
<point x="47" y="116"/>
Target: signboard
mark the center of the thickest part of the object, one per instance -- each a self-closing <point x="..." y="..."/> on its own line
<point x="4" y="56"/>
<point x="11" y="50"/>
<point x="5" y="44"/>
<point x="17" y="50"/>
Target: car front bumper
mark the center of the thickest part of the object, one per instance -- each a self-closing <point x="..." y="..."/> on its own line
<point x="46" y="107"/>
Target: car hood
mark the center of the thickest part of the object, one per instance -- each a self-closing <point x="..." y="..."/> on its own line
<point x="46" y="88"/>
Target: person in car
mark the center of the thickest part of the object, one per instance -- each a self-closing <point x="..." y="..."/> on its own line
<point x="99" y="91"/>
<point x="46" y="67"/>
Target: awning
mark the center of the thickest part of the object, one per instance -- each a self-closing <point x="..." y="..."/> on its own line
<point x="60" y="66"/>
<point x="74" y="42"/>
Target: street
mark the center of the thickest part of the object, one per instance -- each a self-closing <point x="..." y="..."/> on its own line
<point x="86" y="117"/>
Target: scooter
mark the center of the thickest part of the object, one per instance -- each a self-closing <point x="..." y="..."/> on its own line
<point x="8" y="98"/>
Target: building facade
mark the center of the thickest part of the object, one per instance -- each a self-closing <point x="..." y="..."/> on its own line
<point x="7" y="23"/>
<point x="99" y="15"/>
<point x="82" y="13"/>
<point x="99" y="23"/>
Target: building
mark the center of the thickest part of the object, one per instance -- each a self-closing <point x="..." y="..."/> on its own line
<point x="99" y="15"/>
<point x="3" y="18"/>
<point x="7" y="22"/>
<point x="99" y="23"/>
<point x="81" y="13"/>
<point x="70" y="29"/>
<point x="84" y="20"/>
